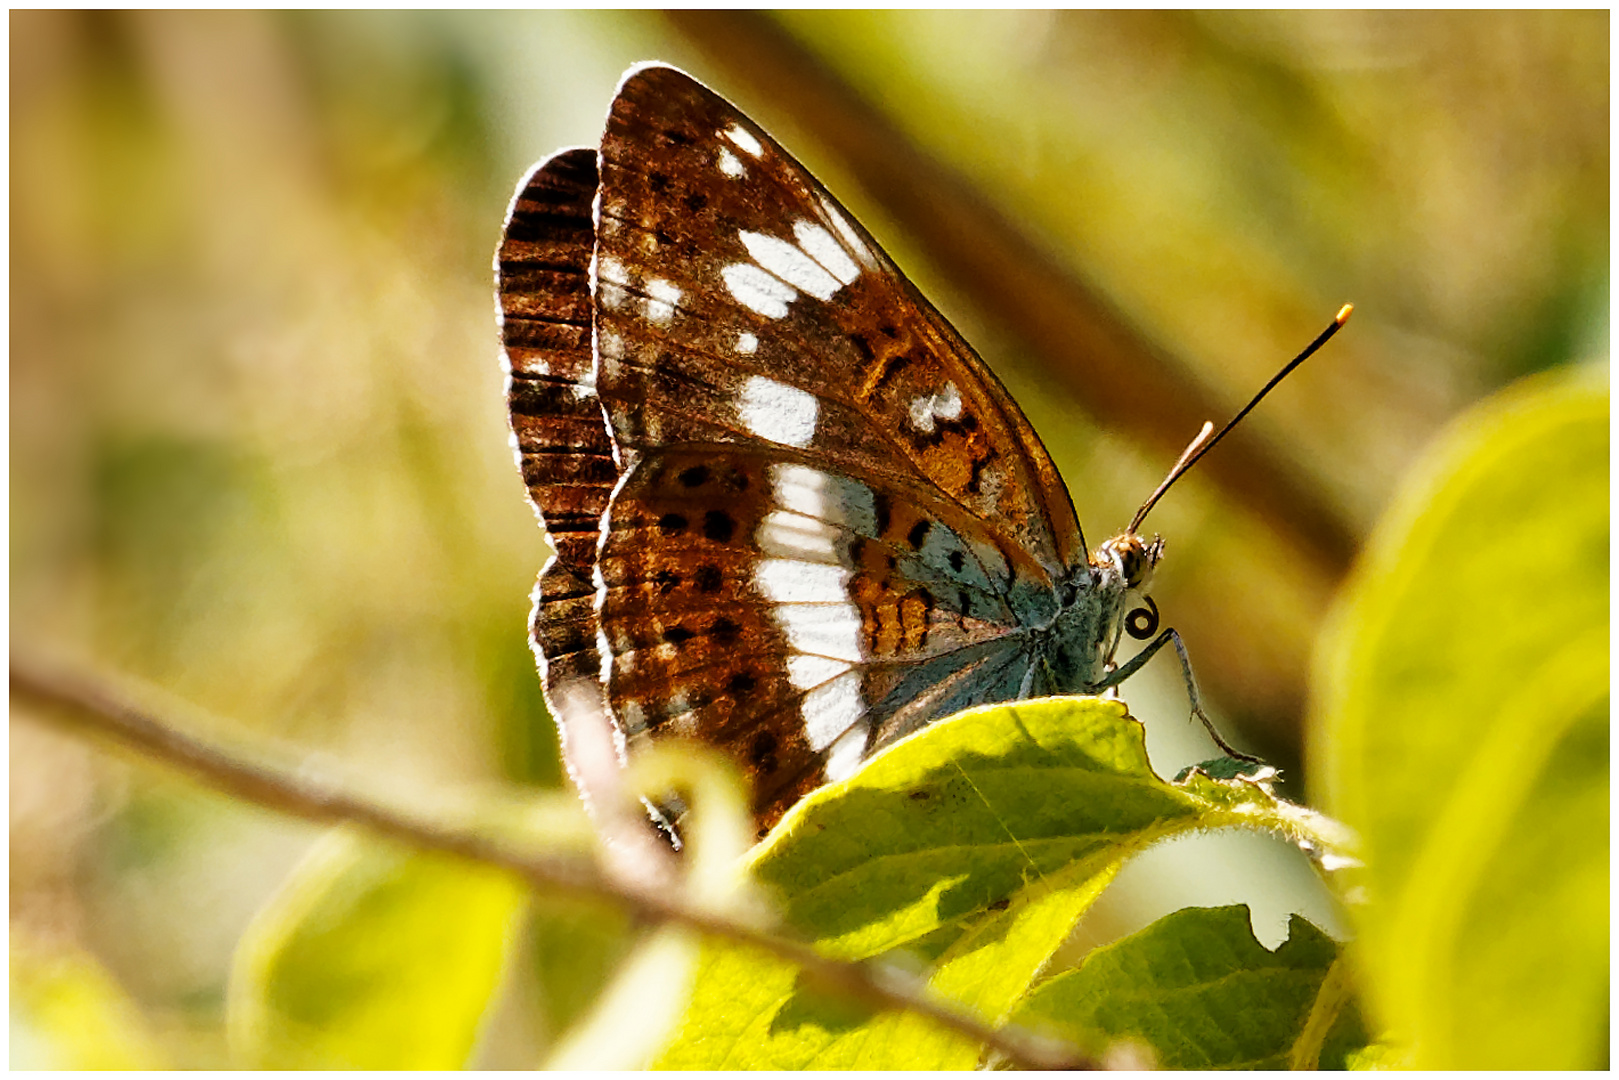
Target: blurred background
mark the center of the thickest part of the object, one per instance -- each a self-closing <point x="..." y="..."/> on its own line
<point x="258" y="449"/>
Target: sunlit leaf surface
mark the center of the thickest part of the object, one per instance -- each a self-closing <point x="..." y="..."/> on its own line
<point x="1201" y="993"/>
<point x="1464" y="732"/>
<point x="967" y="851"/>
<point x="371" y="958"/>
<point x="67" y="1013"/>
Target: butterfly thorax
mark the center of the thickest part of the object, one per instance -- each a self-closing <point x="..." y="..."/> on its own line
<point x="1084" y="635"/>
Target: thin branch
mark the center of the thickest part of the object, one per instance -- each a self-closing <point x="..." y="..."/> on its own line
<point x="122" y="712"/>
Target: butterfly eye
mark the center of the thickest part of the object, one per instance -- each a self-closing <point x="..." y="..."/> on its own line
<point x="1142" y="623"/>
<point x="1133" y="563"/>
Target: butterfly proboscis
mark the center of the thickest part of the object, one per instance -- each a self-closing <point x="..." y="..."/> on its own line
<point x="1139" y="556"/>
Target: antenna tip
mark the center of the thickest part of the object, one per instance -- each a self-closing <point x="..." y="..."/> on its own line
<point x="1343" y="314"/>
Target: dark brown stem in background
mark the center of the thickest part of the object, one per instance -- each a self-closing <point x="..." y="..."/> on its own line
<point x="1106" y="363"/>
<point x="99" y="706"/>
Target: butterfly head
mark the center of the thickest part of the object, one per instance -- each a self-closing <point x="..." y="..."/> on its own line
<point x="1127" y="562"/>
<point x="1131" y="558"/>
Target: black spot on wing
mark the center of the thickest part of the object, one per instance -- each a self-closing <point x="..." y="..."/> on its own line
<point x="708" y="578"/>
<point x="725" y="631"/>
<point x="719" y="526"/>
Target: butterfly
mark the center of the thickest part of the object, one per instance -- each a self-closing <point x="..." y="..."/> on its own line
<point x="795" y="516"/>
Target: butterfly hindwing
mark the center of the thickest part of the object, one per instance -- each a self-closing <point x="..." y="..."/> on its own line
<point x="564" y="449"/>
<point x="542" y="267"/>
<point x="751" y="596"/>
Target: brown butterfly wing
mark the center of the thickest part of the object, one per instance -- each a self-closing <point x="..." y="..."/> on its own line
<point x="560" y="436"/>
<point x="831" y="524"/>
<point x="721" y="259"/>
<point x="870" y="512"/>
<point x="799" y="617"/>
<point x="543" y="286"/>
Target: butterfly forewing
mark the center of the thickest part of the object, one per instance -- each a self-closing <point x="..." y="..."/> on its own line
<point x="738" y="302"/>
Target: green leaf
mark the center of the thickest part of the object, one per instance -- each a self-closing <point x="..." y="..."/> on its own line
<point x="576" y="947"/>
<point x="372" y="957"/>
<point x="67" y="1012"/>
<point x="1463" y="730"/>
<point x="1197" y="988"/>
<point x="988" y="969"/>
<point x="967" y="852"/>
<point x="638" y="1009"/>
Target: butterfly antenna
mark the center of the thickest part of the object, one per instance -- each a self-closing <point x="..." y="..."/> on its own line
<point x="1203" y="443"/>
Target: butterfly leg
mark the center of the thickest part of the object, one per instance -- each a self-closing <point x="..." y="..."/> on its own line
<point x="1113" y="678"/>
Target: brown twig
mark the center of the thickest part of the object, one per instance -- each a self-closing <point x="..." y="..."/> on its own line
<point x="121" y="711"/>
